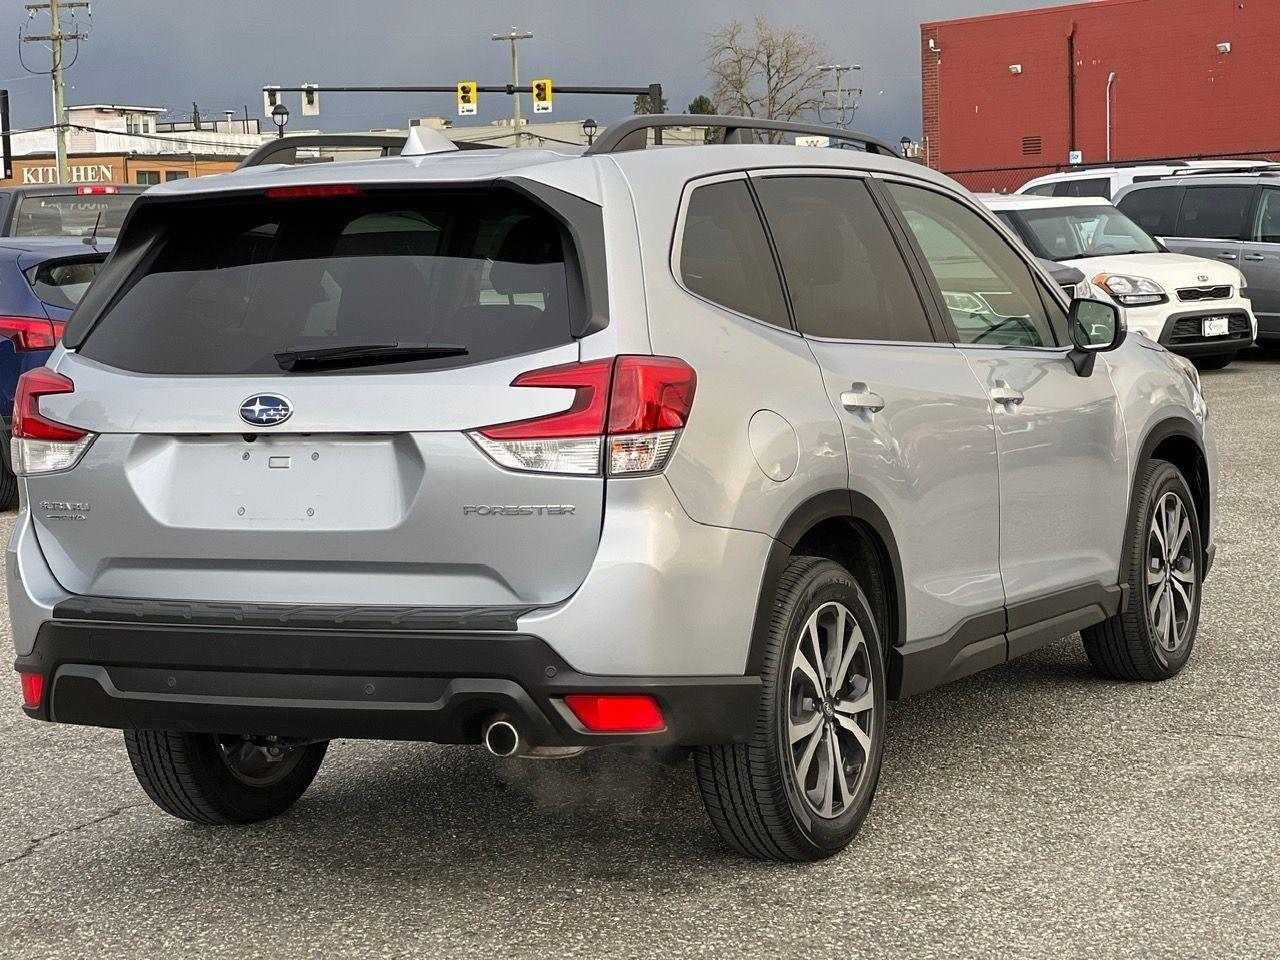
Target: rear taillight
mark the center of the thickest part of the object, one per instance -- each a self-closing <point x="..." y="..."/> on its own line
<point x="32" y="689"/>
<point x="41" y="445"/>
<point x="31" y="333"/>
<point x="627" y="413"/>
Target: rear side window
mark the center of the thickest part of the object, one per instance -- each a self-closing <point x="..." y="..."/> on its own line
<point x="1266" y="225"/>
<point x="232" y="284"/>
<point x="1090" y="187"/>
<point x="845" y="275"/>
<point x="61" y="283"/>
<point x="725" y="256"/>
<point x="1042" y="190"/>
<point x="1214" y="213"/>
<point x="72" y="215"/>
<point x="1155" y="209"/>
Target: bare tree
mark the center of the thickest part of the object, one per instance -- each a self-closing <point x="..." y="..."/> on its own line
<point x="764" y="70"/>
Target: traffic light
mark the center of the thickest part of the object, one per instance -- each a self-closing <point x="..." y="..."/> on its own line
<point x="542" y="96"/>
<point x="467" y="99"/>
<point x="270" y="97"/>
<point x="310" y="100"/>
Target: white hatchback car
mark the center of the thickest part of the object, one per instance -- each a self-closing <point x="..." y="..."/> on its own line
<point x="1193" y="306"/>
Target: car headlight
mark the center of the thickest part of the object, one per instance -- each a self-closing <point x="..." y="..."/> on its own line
<point x="1131" y="291"/>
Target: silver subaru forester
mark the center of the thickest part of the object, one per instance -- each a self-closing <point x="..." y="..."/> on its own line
<point x="719" y="447"/>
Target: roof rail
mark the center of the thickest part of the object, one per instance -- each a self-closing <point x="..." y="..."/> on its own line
<point x="285" y="149"/>
<point x="633" y="133"/>
<point x="1268" y="168"/>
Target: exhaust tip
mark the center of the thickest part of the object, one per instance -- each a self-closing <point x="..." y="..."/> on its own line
<point x="501" y="738"/>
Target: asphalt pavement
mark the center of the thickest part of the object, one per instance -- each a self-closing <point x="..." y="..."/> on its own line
<point x="1031" y="811"/>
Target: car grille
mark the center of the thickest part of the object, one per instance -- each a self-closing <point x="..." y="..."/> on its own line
<point x="1190" y="330"/>
<point x="1222" y="292"/>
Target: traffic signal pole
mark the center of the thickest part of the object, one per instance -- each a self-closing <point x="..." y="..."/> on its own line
<point x="515" y="39"/>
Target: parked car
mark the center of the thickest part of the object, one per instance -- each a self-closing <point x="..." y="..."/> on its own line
<point x="66" y="210"/>
<point x="41" y="280"/>
<point x="1228" y="218"/>
<point x="721" y="447"/>
<point x="1107" y="181"/>
<point x="1193" y="306"/>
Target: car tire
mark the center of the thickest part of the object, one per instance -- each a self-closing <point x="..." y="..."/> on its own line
<point x="776" y="797"/>
<point x="206" y="778"/>
<point x="1214" y="363"/>
<point x="1152" y="637"/>
<point x="8" y="488"/>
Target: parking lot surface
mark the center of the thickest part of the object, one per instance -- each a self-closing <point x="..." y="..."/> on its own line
<point x="1029" y="811"/>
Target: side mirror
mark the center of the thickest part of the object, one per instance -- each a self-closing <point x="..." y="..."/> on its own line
<point x="1096" y="327"/>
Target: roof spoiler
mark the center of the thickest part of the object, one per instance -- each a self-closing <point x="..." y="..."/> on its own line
<point x="285" y="149"/>
<point x="633" y="133"/>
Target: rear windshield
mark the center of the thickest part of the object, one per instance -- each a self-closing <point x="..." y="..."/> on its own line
<point x="61" y="283"/>
<point x="232" y="284"/>
<point x="72" y="215"/>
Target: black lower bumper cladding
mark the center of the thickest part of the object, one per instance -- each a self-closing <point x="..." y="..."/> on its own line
<point x="339" y="682"/>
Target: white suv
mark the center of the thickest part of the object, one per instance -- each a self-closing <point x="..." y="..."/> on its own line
<point x="1193" y="306"/>
<point x="1106" y="182"/>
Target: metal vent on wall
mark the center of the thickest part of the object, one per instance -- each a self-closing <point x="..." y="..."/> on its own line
<point x="1031" y="146"/>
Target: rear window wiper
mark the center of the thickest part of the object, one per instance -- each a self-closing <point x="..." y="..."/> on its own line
<point x="363" y="354"/>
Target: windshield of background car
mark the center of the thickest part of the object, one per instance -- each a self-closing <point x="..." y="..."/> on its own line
<point x="1070" y="233"/>
<point x="72" y="215"/>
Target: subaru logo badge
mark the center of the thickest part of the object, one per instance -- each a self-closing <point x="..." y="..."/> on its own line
<point x="266" y="410"/>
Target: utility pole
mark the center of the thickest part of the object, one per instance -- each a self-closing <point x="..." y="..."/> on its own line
<point x="840" y="69"/>
<point x="514" y="38"/>
<point x="56" y="38"/>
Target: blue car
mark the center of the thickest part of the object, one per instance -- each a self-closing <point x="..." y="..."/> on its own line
<point x="41" y="280"/>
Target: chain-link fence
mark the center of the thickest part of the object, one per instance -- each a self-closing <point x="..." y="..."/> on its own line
<point x="1009" y="179"/>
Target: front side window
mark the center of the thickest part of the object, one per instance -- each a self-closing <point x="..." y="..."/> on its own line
<point x="725" y="255"/>
<point x="230" y="287"/>
<point x="1213" y="213"/>
<point x="845" y="275"/>
<point x="1266" y="225"/>
<point x="1071" y="233"/>
<point x="990" y="292"/>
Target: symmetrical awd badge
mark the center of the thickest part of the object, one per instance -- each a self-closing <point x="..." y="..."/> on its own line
<point x="265" y="410"/>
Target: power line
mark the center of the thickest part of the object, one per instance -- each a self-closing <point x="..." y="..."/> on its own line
<point x="56" y="37"/>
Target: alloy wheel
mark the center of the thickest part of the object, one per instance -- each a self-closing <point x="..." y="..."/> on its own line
<point x="1171" y="574"/>
<point x="831" y="710"/>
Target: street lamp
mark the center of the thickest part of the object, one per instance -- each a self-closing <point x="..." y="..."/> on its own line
<point x="280" y="116"/>
<point x="589" y="128"/>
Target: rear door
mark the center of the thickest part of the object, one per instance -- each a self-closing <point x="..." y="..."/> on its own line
<point x="220" y="475"/>
<point x="1063" y="488"/>
<point x="1260" y="261"/>
<point x="918" y="429"/>
<point x="1211" y="221"/>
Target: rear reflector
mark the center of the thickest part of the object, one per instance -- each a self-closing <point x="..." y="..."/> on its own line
<point x="41" y="445"/>
<point x="616" y="712"/>
<point x="32" y="689"/>
<point x="314" y="190"/>
<point x="631" y="407"/>
<point x="31" y="333"/>
<point x="102" y="189"/>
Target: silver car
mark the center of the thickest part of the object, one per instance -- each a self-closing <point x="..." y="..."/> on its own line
<point x="719" y="447"/>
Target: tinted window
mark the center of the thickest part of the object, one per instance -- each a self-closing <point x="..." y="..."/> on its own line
<point x="1092" y="187"/>
<point x="72" y="215"/>
<point x="725" y="256"/>
<point x="1266" y="225"/>
<point x="231" y="286"/>
<point x="989" y="290"/>
<point x="1213" y="212"/>
<point x="61" y="283"/>
<point x="845" y="275"/>
<point x="1154" y="209"/>
<point x="1043" y="190"/>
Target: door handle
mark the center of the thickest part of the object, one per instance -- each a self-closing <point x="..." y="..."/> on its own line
<point x="1005" y="394"/>
<point x="1227" y="256"/>
<point x="1254" y="257"/>
<point x="860" y="398"/>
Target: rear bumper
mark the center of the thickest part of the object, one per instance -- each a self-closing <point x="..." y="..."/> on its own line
<point x="327" y="682"/>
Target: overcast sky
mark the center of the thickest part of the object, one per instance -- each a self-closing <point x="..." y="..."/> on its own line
<point x="220" y="53"/>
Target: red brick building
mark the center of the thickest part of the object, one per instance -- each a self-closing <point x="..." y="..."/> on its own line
<point x="1181" y="78"/>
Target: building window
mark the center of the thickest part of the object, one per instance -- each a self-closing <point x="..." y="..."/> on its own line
<point x="175" y="175"/>
<point x="148" y="177"/>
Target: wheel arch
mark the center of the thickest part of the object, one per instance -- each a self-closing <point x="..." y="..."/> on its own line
<point x="1177" y="441"/>
<point x="850" y="529"/>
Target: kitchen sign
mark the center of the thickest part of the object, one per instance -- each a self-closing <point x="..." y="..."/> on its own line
<point x="81" y="173"/>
